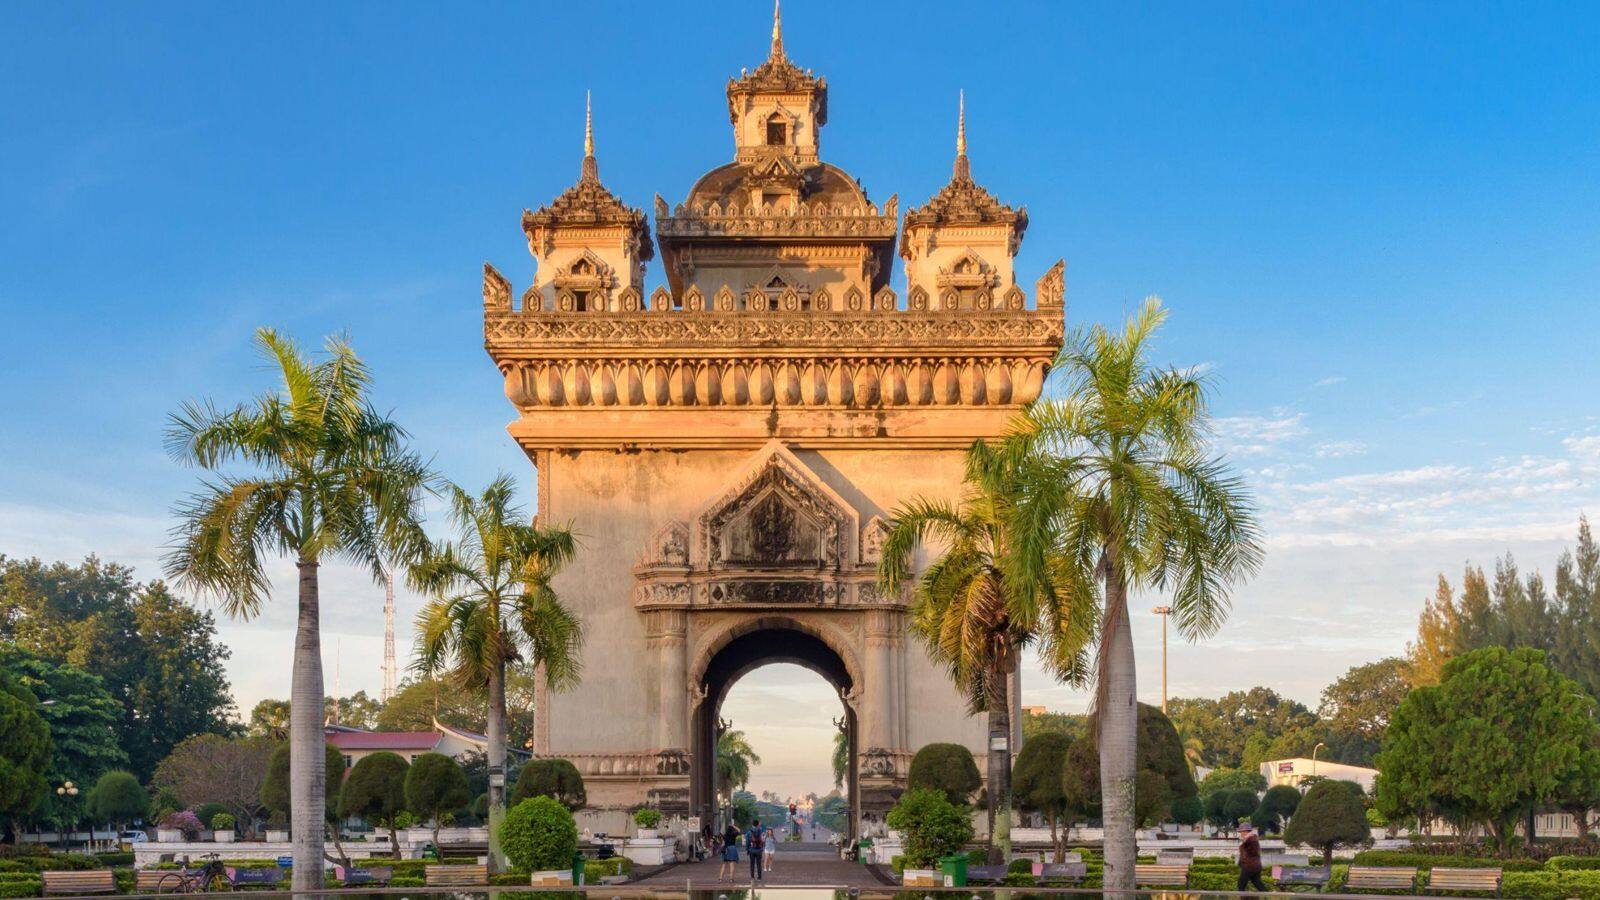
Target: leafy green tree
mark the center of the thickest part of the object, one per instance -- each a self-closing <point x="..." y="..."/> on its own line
<point x="1225" y="726"/>
<point x="118" y="798"/>
<point x="375" y="790"/>
<point x="494" y="607"/>
<point x="1070" y="725"/>
<point x="81" y="715"/>
<point x="436" y="785"/>
<point x="157" y="656"/>
<point x="1233" y="780"/>
<point x="975" y="616"/>
<point x="932" y="825"/>
<point x="735" y="756"/>
<point x="420" y="701"/>
<point x="1188" y="810"/>
<point x="1163" y="774"/>
<point x="25" y="753"/>
<point x="1227" y="808"/>
<point x="1576" y="650"/>
<point x="1329" y="816"/>
<point x="556" y="778"/>
<point x="275" y="788"/>
<point x="1448" y="745"/>
<point x="947" y="768"/>
<point x="1121" y="469"/>
<point x="1356" y="708"/>
<point x="539" y="834"/>
<point x="1277" y="805"/>
<point x="269" y="718"/>
<point x="1037" y="782"/>
<point x="323" y="476"/>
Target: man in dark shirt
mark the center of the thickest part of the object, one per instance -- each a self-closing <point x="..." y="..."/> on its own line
<point x="1249" y="859"/>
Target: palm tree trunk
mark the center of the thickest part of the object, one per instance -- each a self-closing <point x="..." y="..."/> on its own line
<point x="1118" y="716"/>
<point x="496" y="734"/>
<point x="999" y="780"/>
<point x="307" y="758"/>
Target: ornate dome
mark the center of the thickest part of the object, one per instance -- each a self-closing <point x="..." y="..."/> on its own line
<point x="731" y="184"/>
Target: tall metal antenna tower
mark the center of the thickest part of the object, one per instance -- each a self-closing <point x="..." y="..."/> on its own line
<point x="388" y="636"/>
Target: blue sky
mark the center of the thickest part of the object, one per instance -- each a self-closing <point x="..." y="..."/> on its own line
<point x="1376" y="224"/>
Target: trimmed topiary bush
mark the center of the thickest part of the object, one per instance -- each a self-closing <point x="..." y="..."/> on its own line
<point x="435" y="786"/>
<point x="947" y="768"/>
<point x="645" y="817"/>
<point x="556" y="778"/>
<point x="375" y="790"/>
<point x="1330" y="815"/>
<point x="539" y="833"/>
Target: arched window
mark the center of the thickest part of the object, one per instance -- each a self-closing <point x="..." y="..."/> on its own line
<point x="777" y="131"/>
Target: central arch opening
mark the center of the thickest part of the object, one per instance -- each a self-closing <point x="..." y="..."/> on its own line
<point x="765" y="645"/>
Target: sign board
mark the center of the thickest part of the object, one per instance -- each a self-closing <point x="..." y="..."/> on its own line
<point x="694" y="824"/>
<point x="1285" y="768"/>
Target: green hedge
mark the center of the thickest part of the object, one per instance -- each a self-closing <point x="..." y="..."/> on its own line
<point x="596" y="869"/>
<point x="113" y="860"/>
<point x="22" y="887"/>
<point x="1551" y="885"/>
<point x="1573" y="863"/>
<point x="405" y="881"/>
<point x="1426" y="861"/>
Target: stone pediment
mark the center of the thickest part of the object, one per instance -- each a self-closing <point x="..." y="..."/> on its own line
<point x="776" y="513"/>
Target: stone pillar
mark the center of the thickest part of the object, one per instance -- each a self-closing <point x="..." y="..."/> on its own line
<point x="667" y="632"/>
<point x="879" y="711"/>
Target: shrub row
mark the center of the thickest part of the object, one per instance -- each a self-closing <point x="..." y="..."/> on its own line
<point x="1425" y="861"/>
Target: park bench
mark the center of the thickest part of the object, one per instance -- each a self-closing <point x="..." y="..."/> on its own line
<point x="148" y="881"/>
<point x="1071" y="870"/>
<point x="1301" y="878"/>
<point x="1476" y="880"/>
<point x="243" y="877"/>
<point x="922" y="878"/>
<point x="985" y="874"/>
<point x="1175" y="857"/>
<point x="350" y="876"/>
<point x="93" y="881"/>
<point x="1383" y="878"/>
<point x="456" y="876"/>
<point x="1157" y="875"/>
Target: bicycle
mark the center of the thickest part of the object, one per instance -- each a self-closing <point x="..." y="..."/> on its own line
<point x="210" y="878"/>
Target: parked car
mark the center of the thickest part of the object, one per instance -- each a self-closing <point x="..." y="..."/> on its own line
<point x="133" y="837"/>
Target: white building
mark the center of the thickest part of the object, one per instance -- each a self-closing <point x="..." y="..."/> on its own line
<point x="1293" y="771"/>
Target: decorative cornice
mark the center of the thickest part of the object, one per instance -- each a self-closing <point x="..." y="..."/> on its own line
<point x="514" y="335"/>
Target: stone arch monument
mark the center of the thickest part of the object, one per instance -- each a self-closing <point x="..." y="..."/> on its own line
<point x="729" y="450"/>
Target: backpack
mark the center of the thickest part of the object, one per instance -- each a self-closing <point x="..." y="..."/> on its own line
<point x="756" y="841"/>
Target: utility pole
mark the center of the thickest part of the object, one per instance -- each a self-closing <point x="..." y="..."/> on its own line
<point x="1163" y="612"/>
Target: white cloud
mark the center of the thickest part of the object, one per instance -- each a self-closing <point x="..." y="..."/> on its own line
<point x="1337" y="449"/>
<point x="1255" y="435"/>
<point x="1330" y="381"/>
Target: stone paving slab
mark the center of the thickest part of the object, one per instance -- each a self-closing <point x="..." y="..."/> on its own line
<point x="796" y="865"/>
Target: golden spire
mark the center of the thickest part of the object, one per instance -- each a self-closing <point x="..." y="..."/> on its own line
<point x="777" y="31"/>
<point x="591" y="168"/>
<point x="961" y="169"/>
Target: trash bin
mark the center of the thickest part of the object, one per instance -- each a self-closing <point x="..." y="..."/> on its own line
<point x="864" y="850"/>
<point x="954" y="868"/>
<point x="577" y="868"/>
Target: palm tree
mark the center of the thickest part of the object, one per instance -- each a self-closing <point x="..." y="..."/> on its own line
<point x="841" y="757"/>
<point x="1194" y="752"/>
<point x="968" y="611"/>
<point x="1123" y="488"/>
<point x="735" y="757"/>
<point x="325" y="477"/>
<point x="493" y="606"/>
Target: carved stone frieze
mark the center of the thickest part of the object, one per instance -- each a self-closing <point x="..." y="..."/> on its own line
<point x="776" y="514"/>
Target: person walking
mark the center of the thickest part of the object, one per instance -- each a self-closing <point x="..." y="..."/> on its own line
<point x="730" y="853"/>
<point x="754" y="846"/>
<point x="1249" y="859"/>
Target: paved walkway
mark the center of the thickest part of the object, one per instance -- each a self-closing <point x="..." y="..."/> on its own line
<point x="797" y="864"/>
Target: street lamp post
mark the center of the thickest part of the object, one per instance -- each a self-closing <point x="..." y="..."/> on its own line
<point x="1163" y="612"/>
<point x="67" y="792"/>
<point x="1314" y="750"/>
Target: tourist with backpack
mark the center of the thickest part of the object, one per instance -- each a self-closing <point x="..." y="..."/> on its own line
<point x="754" y="845"/>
